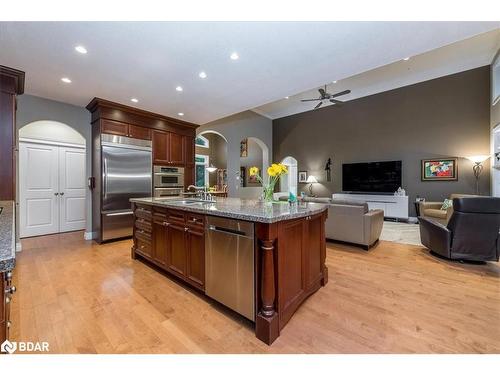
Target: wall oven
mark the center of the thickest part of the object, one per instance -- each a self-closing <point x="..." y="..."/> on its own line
<point x="168" y="177"/>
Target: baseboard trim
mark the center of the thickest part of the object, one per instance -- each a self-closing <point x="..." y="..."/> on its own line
<point x="88" y="236"/>
<point x="19" y="246"/>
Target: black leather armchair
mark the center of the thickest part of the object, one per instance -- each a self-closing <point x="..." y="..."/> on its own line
<point x="472" y="232"/>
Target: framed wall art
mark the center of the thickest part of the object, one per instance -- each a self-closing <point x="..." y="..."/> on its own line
<point x="440" y="169"/>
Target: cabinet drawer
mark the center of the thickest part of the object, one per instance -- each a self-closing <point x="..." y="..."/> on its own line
<point x="143" y="247"/>
<point x="139" y="132"/>
<point x="143" y="235"/>
<point x="176" y="217"/>
<point x="195" y="221"/>
<point x="143" y="213"/>
<point x="114" y="127"/>
<point x="143" y="224"/>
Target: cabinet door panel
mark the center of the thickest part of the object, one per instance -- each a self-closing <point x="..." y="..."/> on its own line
<point x="160" y="147"/>
<point x="196" y="258"/>
<point x="176" y="149"/>
<point x="291" y="264"/>
<point x="139" y="132"/>
<point x="190" y="151"/>
<point x="160" y="242"/>
<point x="176" y="252"/>
<point x="114" y="127"/>
<point x="314" y="245"/>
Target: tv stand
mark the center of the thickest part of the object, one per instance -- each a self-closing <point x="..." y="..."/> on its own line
<point x="394" y="206"/>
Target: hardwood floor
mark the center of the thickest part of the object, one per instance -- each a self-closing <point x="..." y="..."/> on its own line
<point x="86" y="298"/>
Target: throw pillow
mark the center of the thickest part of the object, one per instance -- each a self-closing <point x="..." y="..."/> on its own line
<point x="447" y="204"/>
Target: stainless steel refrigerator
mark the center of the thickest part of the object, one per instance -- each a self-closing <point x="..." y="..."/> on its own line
<point x="126" y="173"/>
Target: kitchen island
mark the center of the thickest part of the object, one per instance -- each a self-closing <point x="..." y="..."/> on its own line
<point x="281" y="247"/>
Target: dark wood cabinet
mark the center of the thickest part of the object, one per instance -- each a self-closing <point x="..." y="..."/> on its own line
<point x="139" y="132"/>
<point x="189" y="151"/>
<point x="114" y="127"/>
<point x="177" y="243"/>
<point x="170" y="149"/>
<point x="291" y="271"/>
<point x="301" y="265"/>
<point x="176" y="249"/>
<point x="118" y="119"/>
<point x="11" y="84"/>
<point x="160" y="147"/>
<point x="195" y="247"/>
<point x="177" y="145"/>
<point x="315" y="254"/>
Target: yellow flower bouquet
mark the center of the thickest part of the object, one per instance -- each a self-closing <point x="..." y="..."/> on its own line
<point x="275" y="171"/>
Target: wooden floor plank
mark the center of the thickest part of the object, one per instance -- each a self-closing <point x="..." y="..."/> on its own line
<point x="395" y="298"/>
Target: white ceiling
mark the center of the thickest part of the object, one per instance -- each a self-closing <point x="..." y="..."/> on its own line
<point x="147" y="60"/>
<point x="457" y="57"/>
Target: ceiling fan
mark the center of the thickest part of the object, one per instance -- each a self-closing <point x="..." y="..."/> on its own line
<point x="327" y="96"/>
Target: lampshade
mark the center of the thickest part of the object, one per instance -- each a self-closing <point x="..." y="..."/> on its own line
<point x="211" y="168"/>
<point x="478" y="158"/>
<point x="311" y="180"/>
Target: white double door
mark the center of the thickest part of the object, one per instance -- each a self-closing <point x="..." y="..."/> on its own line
<point x="52" y="189"/>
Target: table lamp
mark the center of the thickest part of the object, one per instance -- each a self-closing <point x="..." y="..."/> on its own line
<point x="311" y="180"/>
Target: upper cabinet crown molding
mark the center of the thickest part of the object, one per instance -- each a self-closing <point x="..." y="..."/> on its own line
<point x="105" y="109"/>
<point x="11" y="80"/>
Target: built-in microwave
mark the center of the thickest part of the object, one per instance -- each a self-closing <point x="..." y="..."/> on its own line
<point x="168" y="177"/>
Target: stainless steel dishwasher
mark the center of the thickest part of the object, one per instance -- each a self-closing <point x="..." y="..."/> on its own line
<point x="229" y="264"/>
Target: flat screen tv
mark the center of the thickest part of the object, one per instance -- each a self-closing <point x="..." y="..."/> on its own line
<point x="375" y="177"/>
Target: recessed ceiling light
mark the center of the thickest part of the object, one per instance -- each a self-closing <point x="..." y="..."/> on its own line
<point x="234" y="56"/>
<point x="286" y="97"/>
<point x="181" y="114"/>
<point x="334" y="82"/>
<point x="179" y="88"/>
<point x="134" y="100"/>
<point x="81" y="49"/>
<point x="66" y="80"/>
<point x="406" y="59"/>
<point x="202" y="75"/>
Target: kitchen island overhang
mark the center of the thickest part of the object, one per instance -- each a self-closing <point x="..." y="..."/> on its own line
<point x="289" y="249"/>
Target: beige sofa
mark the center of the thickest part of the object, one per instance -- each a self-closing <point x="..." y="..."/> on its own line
<point x="351" y="221"/>
<point x="432" y="210"/>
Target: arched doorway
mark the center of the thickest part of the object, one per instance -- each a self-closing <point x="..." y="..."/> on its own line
<point x="288" y="183"/>
<point x="253" y="153"/>
<point x="211" y="161"/>
<point x="51" y="179"/>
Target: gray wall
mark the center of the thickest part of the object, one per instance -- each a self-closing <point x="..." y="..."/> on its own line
<point x="444" y="117"/>
<point x="235" y="128"/>
<point x="33" y="108"/>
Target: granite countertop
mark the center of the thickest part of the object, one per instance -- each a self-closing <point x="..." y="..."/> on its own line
<point x="7" y="237"/>
<point x="241" y="209"/>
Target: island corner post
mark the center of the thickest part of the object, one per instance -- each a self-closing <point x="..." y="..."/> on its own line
<point x="289" y="261"/>
<point x="290" y="266"/>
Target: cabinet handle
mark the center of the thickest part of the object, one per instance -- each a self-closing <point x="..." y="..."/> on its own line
<point x="10" y="290"/>
<point x="166" y="224"/>
<point x="142" y="247"/>
<point x="56" y="194"/>
<point x="62" y="193"/>
<point x="7" y="300"/>
<point x="8" y="276"/>
<point x="186" y="229"/>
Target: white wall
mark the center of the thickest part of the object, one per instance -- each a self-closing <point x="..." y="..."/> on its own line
<point x="51" y="131"/>
<point x="32" y="109"/>
<point x="235" y="128"/>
